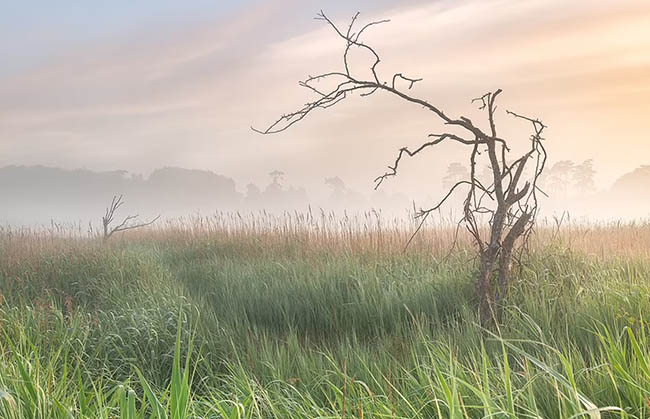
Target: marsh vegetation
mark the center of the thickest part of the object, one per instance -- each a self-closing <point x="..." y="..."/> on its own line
<point x="320" y="316"/>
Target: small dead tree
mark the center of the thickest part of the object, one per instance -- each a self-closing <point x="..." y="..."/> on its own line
<point x="130" y="222"/>
<point x="498" y="216"/>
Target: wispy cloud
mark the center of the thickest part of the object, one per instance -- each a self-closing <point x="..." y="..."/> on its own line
<point x="187" y="95"/>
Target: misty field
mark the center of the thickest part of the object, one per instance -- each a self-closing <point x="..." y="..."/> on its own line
<point x="311" y="316"/>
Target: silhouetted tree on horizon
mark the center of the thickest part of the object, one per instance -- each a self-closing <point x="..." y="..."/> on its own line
<point x="277" y="176"/>
<point x="635" y="182"/>
<point x="335" y="182"/>
<point x="558" y="178"/>
<point x="583" y="177"/>
<point x="456" y="172"/>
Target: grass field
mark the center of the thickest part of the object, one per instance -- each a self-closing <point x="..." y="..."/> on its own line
<point x="304" y="317"/>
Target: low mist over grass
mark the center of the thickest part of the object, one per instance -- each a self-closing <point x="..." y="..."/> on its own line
<point x="312" y="316"/>
<point x="336" y="209"/>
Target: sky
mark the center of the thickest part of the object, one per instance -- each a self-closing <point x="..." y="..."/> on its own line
<point x="140" y="85"/>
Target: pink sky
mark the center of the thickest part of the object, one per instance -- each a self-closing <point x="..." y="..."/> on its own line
<point x="186" y="95"/>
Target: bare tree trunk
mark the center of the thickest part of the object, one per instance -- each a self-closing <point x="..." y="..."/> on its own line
<point x="505" y="262"/>
<point x="505" y="267"/>
<point x="483" y="285"/>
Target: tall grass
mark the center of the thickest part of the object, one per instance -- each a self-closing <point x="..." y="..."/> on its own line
<point x="316" y="316"/>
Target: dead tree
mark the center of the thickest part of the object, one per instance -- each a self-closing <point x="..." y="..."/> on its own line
<point x="129" y="223"/>
<point x="499" y="216"/>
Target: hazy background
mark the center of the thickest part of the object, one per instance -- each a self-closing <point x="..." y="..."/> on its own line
<point x="130" y="92"/>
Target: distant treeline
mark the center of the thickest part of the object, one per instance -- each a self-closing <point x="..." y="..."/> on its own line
<point x="37" y="194"/>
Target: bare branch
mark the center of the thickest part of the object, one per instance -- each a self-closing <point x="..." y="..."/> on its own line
<point x="127" y="224"/>
<point x="404" y="150"/>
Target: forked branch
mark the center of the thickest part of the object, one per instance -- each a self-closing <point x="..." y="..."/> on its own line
<point x="128" y="223"/>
